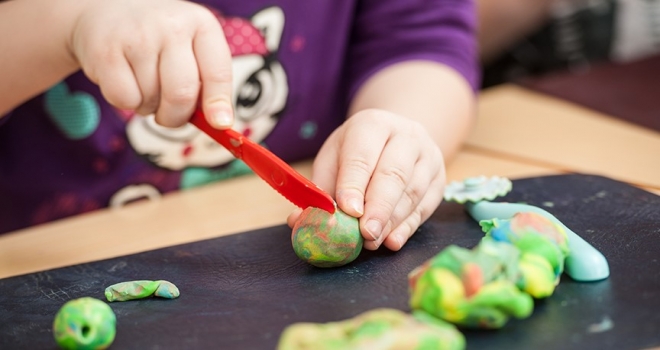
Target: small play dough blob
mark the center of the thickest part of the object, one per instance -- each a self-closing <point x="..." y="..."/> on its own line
<point x="326" y="240"/>
<point x="84" y="323"/>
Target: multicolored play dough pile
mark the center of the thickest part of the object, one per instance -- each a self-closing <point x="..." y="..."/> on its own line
<point x="326" y="240"/>
<point x="518" y="259"/>
<point x="141" y="289"/>
<point x="84" y="323"/>
<point x="379" y="329"/>
<point x="543" y="249"/>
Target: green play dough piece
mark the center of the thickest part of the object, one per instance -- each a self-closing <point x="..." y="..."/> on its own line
<point x="475" y="288"/>
<point x="326" y="240"/>
<point x="84" y="323"/>
<point x="141" y="289"/>
<point x="378" y="329"/>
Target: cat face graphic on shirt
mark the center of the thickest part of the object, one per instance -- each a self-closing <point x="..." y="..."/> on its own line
<point x="260" y="90"/>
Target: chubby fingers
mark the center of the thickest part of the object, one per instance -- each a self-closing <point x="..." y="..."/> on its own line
<point x="326" y="162"/>
<point x="215" y="70"/>
<point x="166" y="62"/>
<point x="376" y="165"/>
<point x="389" y="188"/>
<point x="359" y="156"/>
<point x="143" y="54"/>
<point x="117" y="82"/>
<point x="180" y="84"/>
<point x="422" y="198"/>
<point x="195" y="67"/>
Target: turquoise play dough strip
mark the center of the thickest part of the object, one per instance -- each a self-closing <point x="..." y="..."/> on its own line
<point x="584" y="262"/>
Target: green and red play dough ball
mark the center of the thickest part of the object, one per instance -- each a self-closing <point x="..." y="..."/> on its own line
<point x="326" y="240"/>
<point x="85" y="323"/>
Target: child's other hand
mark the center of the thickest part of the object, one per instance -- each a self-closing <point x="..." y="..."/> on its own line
<point x="156" y="56"/>
<point x="384" y="169"/>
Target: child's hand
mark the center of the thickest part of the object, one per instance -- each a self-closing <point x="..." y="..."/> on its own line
<point x="154" y="56"/>
<point x="386" y="170"/>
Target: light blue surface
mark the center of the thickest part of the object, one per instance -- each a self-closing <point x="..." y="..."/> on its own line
<point x="584" y="262"/>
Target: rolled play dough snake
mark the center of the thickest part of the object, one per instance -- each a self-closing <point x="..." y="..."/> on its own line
<point x="141" y="289"/>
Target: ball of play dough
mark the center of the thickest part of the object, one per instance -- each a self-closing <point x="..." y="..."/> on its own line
<point x="84" y="323"/>
<point x="326" y="240"/>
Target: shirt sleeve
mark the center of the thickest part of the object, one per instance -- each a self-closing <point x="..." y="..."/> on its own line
<point x="386" y="32"/>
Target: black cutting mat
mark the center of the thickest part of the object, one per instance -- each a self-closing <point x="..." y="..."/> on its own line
<point x="240" y="291"/>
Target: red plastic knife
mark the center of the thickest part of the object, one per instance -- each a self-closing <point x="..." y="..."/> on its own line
<point x="277" y="173"/>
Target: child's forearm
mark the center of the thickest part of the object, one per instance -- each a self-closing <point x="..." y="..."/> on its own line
<point x="430" y="93"/>
<point x="34" y="53"/>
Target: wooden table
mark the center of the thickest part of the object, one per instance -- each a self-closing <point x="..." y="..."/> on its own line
<point x="519" y="134"/>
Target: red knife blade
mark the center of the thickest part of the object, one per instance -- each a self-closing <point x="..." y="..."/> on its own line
<point x="277" y="173"/>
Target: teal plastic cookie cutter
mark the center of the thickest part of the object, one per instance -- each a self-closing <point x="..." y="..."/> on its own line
<point x="584" y="262"/>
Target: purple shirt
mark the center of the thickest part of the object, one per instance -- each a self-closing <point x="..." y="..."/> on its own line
<point x="296" y="65"/>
